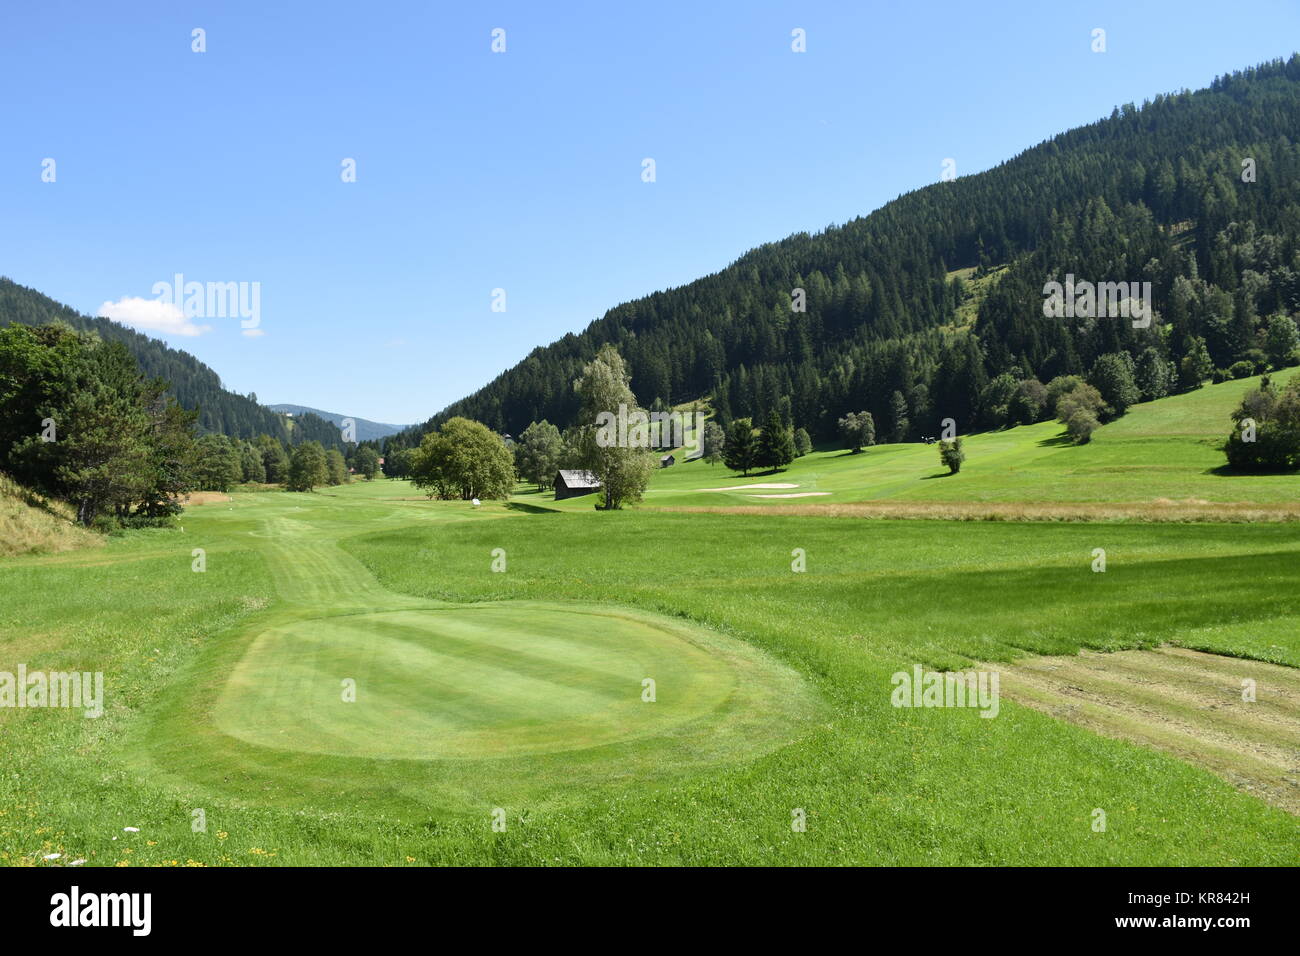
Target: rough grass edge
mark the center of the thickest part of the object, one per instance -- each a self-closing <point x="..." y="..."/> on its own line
<point x="33" y="524"/>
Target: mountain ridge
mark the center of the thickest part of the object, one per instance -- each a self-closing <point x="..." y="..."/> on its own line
<point x="366" y="430"/>
<point x="195" y="384"/>
<point x="1149" y="193"/>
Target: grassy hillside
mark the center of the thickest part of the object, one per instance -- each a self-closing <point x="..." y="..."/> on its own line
<point x="1155" y="184"/>
<point x="1167" y="450"/>
<point x="30" y="524"/>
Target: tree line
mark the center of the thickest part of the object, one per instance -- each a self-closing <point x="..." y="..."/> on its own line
<point x="80" y="421"/>
<point x="192" y="383"/>
<point x="466" y="460"/>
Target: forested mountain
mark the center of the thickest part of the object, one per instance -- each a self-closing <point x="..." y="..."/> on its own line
<point x="366" y="429"/>
<point x="1195" y="193"/>
<point x="193" y="384"/>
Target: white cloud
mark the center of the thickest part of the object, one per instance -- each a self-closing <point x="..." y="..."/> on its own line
<point x="151" y="315"/>
<point x="252" y="333"/>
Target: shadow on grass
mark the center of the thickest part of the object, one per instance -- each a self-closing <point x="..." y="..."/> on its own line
<point x="1057" y="441"/>
<point x="530" y="509"/>
<point x="1227" y="471"/>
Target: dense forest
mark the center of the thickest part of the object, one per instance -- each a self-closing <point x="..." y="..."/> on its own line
<point x="194" y="385"/>
<point x="933" y="306"/>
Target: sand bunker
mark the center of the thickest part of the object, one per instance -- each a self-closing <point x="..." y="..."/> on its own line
<point x="799" y="494"/>
<point x="779" y="484"/>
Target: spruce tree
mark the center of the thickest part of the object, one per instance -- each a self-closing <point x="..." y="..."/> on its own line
<point x="898" y="414"/>
<point x="740" y="450"/>
<point x="775" y="443"/>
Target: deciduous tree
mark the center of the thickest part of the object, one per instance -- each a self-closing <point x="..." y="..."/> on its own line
<point x="464" y="460"/>
<point x="307" y="467"/>
<point x="858" y="429"/>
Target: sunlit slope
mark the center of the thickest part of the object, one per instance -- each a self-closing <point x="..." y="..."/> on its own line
<point x="1167" y="450"/>
<point x="31" y="525"/>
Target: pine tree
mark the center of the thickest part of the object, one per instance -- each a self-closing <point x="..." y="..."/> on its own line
<point x="250" y="462"/>
<point x="1196" y="365"/>
<point x="103" y="456"/>
<point x="173" y="457"/>
<point x="775" y="443"/>
<point x="898" y="415"/>
<point x="741" y="449"/>
<point x="218" y="466"/>
<point x="1152" y="375"/>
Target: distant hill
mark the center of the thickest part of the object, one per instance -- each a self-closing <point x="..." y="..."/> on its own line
<point x="194" y="384"/>
<point x="912" y="311"/>
<point x="366" y="429"/>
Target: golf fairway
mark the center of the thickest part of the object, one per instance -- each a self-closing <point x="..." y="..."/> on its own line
<point x="344" y="688"/>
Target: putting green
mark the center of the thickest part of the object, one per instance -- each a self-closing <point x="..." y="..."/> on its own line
<point x="479" y="681"/>
<point x="456" y="706"/>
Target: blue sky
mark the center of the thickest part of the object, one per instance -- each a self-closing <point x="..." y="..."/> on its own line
<point x="519" y="170"/>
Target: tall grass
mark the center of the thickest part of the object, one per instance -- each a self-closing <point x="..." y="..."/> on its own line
<point x="32" y="524"/>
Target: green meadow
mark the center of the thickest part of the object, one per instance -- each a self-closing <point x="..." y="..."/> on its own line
<point x="519" y="691"/>
<point x="365" y="676"/>
<point x="1164" y="450"/>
